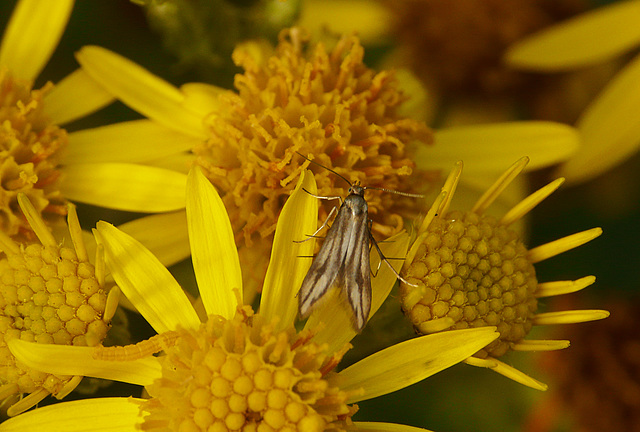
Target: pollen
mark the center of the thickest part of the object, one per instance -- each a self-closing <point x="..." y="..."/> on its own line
<point x="49" y="294"/>
<point x="240" y="374"/>
<point x="324" y="103"/>
<point x="30" y="148"/>
<point x="476" y="272"/>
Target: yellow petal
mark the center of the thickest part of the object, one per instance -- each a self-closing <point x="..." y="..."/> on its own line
<point x="213" y="248"/>
<point x="32" y="35"/>
<point x="202" y="98"/>
<point x="181" y="162"/>
<point x="408" y="362"/>
<point x="94" y="415"/>
<point x="370" y="20"/>
<point x="570" y="317"/>
<point x="492" y="148"/>
<point x="556" y="247"/>
<point x="132" y="141"/>
<point x="145" y="281"/>
<point x="77" y="360"/>
<point x="76" y="96"/>
<point x="141" y="90"/>
<point x="386" y="427"/>
<point x="165" y="235"/>
<point x="507" y="371"/>
<point x="609" y="126"/>
<point x="333" y="315"/>
<point x="584" y="40"/>
<point x="289" y="263"/>
<point x="128" y="187"/>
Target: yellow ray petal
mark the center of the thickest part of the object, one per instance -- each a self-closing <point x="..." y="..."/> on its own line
<point x="450" y="186"/>
<point x="496" y="189"/>
<point x="181" y="162"/>
<point x="584" y="40"/>
<point x="569" y="317"/>
<point x="35" y="221"/>
<point x="549" y="289"/>
<point x="213" y="249"/>
<point x="333" y="315"/>
<point x="422" y="232"/>
<point x="529" y="203"/>
<point x="202" y="98"/>
<point x="540" y="345"/>
<point x="126" y="187"/>
<point x="609" y="126"/>
<point x="95" y="415"/>
<point x="564" y="244"/>
<point x="32" y="35"/>
<point x="489" y="148"/>
<point x="133" y="141"/>
<point x="369" y="19"/>
<point x="409" y="362"/>
<point x="165" y="235"/>
<point x="289" y="263"/>
<point x="77" y="360"/>
<point x="508" y="371"/>
<point x="386" y="427"/>
<point x="76" y="96"/>
<point x="141" y="90"/>
<point x="145" y="281"/>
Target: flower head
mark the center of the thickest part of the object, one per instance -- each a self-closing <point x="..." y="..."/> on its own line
<point x="31" y="141"/>
<point x="49" y="294"/>
<point x="460" y="45"/>
<point x="609" y="128"/>
<point x="323" y="103"/>
<point x="238" y="370"/>
<point x="472" y="270"/>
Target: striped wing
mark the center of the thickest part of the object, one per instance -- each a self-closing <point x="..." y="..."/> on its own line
<point x="328" y="263"/>
<point x="357" y="275"/>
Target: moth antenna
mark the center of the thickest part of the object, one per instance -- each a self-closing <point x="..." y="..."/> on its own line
<point x="328" y="169"/>
<point x="396" y="192"/>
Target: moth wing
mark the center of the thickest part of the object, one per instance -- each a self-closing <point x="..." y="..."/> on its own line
<point x="357" y="276"/>
<point x="327" y="264"/>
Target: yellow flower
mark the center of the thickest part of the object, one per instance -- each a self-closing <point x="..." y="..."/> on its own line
<point x="49" y="294"/>
<point x="472" y="270"/>
<point x="32" y="141"/>
<point x="609" y="127"/>
<point x="236" y="370"/>
<point x="324" y="103"/>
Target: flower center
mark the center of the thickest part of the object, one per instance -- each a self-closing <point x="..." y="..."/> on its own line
<point x="475" y="271"/>
<point x="239" y="374"/>
<point x="29" y="154"/>
<point x="323" y="104"/>
<point x="47" y="296"/>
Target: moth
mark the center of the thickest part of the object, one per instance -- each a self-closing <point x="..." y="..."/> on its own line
<point x="343" y="259"/>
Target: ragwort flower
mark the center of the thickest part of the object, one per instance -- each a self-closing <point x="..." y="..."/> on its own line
<point x="609" y="127"/>
<point x="32" y="143"/>
<point x="473" y="270"/>
<point x="49" y="294"/>
<point x="324" y="103"/>
<point x="237" y="370"/>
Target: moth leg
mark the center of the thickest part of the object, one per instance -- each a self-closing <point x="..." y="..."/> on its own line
<point x="383" y="258"/>
<point x="309" y="237"/>
<point x="324" y="197"/>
